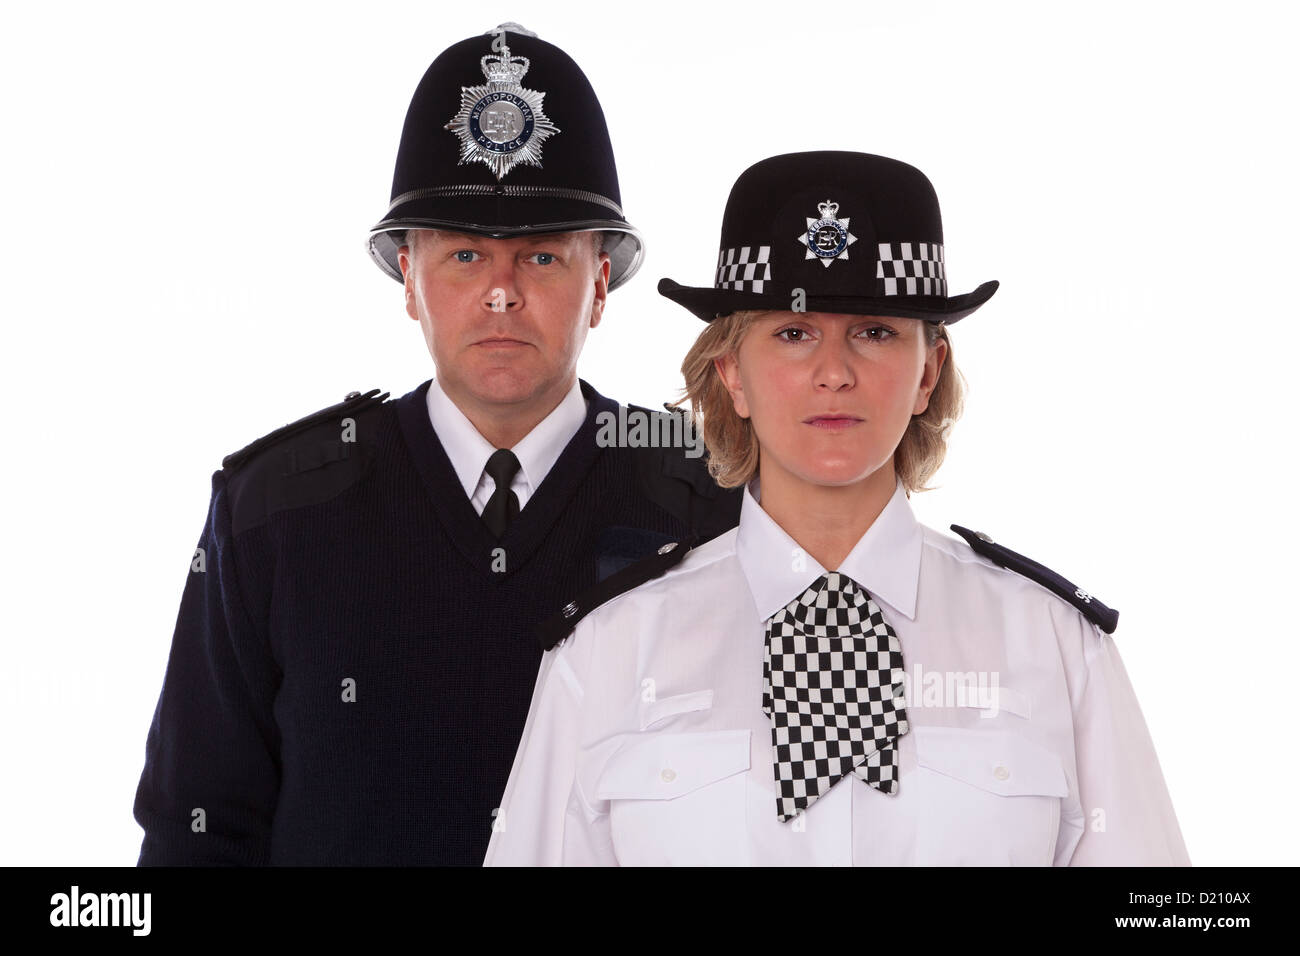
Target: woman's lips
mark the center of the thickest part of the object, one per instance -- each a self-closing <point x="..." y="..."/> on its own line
<point x="833" y="421"/>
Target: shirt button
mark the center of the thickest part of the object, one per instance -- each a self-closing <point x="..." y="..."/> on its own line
<point x="668" y="775"/>
<point x="983" y="537"/>
<point x="667" y="547"/>
<point x="1001" y="773"/>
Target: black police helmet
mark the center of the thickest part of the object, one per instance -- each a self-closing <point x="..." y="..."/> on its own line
<point x="505" y="137"/>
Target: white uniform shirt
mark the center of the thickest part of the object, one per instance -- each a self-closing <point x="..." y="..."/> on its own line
<point x="646" y="742"/>
<point x="537" y="451"/>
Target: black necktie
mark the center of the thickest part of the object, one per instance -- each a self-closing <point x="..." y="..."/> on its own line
<point x="503" y="505"/>
<point x="833" y="688"/>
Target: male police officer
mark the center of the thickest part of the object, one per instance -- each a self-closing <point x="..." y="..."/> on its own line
<point x="359" y="636"/>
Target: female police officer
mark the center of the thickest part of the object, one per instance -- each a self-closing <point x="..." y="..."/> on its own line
<point x="930" y="700"/>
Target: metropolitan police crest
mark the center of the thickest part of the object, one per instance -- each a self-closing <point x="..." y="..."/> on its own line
<point x="501" y="124"/>
<point x="827" y="238"/>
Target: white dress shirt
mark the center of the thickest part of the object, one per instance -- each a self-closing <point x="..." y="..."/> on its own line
<point x="646" y="742"/>
<point x="537" y="451"/>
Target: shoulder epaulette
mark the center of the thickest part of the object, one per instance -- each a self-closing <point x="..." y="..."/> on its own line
<point x="1089" y="606"/>
<point x="556" y="628"/>
<point x="306" y="462"/>
<point x="353" y="402"/>
<point x="681" y="484"/>
<point x="674" y="461"/>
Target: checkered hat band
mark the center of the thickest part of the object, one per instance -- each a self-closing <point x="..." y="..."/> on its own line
<point x="911" y="268"/>
<point x="746" y="269"/>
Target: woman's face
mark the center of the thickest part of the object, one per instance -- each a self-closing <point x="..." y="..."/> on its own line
<point x="830" y="395"/>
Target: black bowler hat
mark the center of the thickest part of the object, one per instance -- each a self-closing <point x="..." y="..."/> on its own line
<point x="505" y="137"/>
<point x="856" y="233"/>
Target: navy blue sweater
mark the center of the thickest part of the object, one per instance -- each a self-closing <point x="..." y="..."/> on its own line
<point x="351" y="667"/>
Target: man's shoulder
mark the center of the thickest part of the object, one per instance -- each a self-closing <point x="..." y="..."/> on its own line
<point x="672" y="465"/>
<point x="304" y="462"/>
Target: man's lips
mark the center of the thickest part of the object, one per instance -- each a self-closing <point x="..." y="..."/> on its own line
<point x="501" y="343"/>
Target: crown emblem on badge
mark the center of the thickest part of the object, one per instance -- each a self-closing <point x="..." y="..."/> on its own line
<point x="501" y="124"/>
<point x="504" y="69"/>
<point x="827" y="238"/>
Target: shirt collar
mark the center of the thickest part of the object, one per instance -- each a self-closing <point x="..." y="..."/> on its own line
<point x="886" y="561"/>
<point x="537" y="451"/>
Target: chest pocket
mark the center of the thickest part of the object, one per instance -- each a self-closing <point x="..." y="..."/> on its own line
<point x="985" y="798"/>
<point x="679" y="799"/>
<point x="662" y="708"/>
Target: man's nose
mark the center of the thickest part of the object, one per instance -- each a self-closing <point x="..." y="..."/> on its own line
<point x="503" y="293"/>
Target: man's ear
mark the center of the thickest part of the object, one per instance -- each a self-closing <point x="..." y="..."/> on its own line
<point x="602" y="290"/>
<point x="728" y="369"/>
<point x="408" y="279"/>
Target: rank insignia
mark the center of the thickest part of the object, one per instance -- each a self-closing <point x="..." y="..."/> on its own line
<point x="827" y="238"/>
<point x="501" y="124"/>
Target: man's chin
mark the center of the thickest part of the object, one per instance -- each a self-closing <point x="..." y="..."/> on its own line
<point x="506" y="386"/>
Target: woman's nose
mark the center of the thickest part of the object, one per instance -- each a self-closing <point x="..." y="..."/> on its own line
<point x="832" y="367"/>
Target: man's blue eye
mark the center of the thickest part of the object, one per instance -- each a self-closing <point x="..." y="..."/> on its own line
<point x="543" y="258"/>
<point x="465" y="255"/>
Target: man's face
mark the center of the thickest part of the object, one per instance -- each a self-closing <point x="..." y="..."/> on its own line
<point x="504" y="319"/>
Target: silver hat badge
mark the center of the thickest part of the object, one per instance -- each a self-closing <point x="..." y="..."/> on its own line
<point x="501" y="124"/>
<point x="827" y="238"/>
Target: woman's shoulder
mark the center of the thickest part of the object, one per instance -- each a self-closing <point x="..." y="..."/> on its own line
<point x="977" y="553"/>
<point x="678" y="568"/>
<point x="697" y="569"/>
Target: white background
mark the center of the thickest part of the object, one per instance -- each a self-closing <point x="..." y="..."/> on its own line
<point x="186" y="192"/>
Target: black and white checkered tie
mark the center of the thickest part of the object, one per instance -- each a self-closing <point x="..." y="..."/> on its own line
<point x="833" y="688"/>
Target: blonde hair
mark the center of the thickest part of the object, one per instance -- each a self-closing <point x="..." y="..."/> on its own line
<point x="730" y="440"/>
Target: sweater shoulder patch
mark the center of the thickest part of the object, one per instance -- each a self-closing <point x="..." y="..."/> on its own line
<point x="674" y="472"/>
<point x="679" y="450"/>
<point x="353" y="401"/>
<point x="557" y="628"/>
<point x="1091" y="608"/>
<point x="304" y="462"/>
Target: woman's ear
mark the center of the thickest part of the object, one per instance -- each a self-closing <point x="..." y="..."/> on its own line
<point x="728" y="369"/>
<point x="934" y="359"/>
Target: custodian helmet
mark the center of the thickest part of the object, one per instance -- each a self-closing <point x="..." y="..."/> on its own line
<point x="505" y="137"/>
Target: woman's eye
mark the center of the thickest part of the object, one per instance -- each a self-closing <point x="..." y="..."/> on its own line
<point x="879" y="333"/>
<point x="465" y="255"/>
<point x="543" y="258"/>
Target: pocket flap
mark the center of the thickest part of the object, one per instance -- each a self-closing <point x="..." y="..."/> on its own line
<point x="664" y="766"/>
<point x="999" y="761"/>
<point x="993" y="699"/>
<point x="656" y="710"/>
